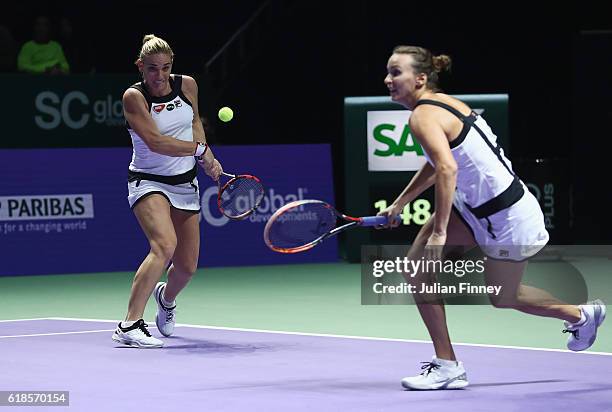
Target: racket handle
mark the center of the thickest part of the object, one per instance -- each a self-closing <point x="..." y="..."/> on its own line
<point x="374" y="220"/>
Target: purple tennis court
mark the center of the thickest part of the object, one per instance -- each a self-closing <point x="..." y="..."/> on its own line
<point x="227" y="370"/>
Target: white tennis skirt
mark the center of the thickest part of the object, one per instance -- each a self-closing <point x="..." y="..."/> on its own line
<point x="185" y="196"/>
<point x="515" y="233"/>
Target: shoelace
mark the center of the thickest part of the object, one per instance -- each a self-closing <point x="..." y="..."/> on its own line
<point x="143" y="327"/>
<point x="573" y="332"/>
<point x="169" y="314"/>
<point x="169" y="311"/>
<point x="428" y="366"/>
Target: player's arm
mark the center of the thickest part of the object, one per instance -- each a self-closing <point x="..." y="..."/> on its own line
<point x="420" y="182"/>
<point x="190" y="88"/>
<point x="140" y="120"/>
<point x="432" y="137"/>
<point x="211" y="166"/>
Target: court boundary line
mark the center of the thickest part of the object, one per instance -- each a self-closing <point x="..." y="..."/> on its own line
<point x="374" y="338"/>
<point x="22" y="320"/>
<point x="55" y="333"/>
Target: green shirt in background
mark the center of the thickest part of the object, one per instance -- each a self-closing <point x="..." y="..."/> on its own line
<point x="37" y="58"/>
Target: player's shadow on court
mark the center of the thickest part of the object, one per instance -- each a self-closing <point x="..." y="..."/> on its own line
<point x="178" y="345"/>
<point x="484" y="385"/>
<point x="573" y="392"/>
<point x="318" y="385"/>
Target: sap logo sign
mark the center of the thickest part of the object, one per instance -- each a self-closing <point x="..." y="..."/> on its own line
<point x="406" y="142"/>
<point x="391" y="146"/>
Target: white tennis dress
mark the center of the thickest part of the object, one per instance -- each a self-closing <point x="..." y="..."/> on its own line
<point x="504" y="216"/>
<point x="150" y="172"/>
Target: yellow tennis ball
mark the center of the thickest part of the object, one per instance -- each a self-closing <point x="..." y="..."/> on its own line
<point x="226" y="114"/>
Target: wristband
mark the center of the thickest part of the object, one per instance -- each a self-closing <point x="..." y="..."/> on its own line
<point x="201" y="148"/>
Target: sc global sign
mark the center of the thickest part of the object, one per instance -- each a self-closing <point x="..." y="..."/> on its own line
<point x="75" y="110"/>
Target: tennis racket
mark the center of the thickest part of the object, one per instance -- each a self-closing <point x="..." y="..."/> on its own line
<point x="301" y="225"/>
<point x="239" y="196"/>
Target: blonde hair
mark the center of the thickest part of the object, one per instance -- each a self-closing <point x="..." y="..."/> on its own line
<point x="151" y="44"/>
<point x="425" y="62"/>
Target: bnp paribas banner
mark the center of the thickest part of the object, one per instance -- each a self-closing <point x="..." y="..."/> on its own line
<point x="64" y="111"/>
<point x="391" y="145"/>
<point x="66" y="210"/>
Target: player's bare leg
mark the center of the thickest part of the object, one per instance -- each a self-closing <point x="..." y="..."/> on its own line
<point x="580" y="321"/>
<point x="184" y="264"/>
<point x="433" y="314"/>
<point x="185" y="258"/>
<point x="528" y="299"/>
<point x="153" y="214"/>
<point x="444" y="371"/>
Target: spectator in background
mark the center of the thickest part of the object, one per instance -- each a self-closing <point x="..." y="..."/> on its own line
<point x="7" y="50"/>
<point x="41" y="55"/>
<point x="76" y="46"/>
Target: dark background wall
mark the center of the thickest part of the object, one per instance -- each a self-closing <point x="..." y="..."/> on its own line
<point x="553" y="61"/>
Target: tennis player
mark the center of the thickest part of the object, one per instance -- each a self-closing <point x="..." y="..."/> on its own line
<point x="168" y="138"/>
<point x="479" y="201"/>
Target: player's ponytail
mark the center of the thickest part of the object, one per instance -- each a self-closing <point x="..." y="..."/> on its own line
<point x="441" y="63"/>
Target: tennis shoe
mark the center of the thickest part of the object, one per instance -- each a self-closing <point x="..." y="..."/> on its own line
<point x="583" y="335"/>
<point x="136" y="335"/>
<point x="165" y="315"/>
<point x="435" y="375"/>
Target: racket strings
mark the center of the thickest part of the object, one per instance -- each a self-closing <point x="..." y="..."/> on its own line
<point x="241" y="196"/>
<point x="301" y="225"/>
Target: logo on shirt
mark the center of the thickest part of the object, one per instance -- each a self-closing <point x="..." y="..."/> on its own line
<point x="170" y="107"/>
<point x="178" y="103"/>
<point x="159" y="107"/>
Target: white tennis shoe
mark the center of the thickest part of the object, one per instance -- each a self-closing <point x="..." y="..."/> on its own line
<point x="136" y="335"/>
<point x="165" y="316"/>
<point x="583" y="335"/>
<point x="438" y="374"/>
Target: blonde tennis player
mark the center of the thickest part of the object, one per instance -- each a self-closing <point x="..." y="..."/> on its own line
<point x="163" y="120"/>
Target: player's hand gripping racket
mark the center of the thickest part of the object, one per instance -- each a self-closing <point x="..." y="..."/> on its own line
<point x="240" y="196"/>
<point x="303" y="224"/>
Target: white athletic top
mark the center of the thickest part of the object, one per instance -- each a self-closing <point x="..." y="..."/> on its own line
<point x="504" y="217"/>
<point x="173" y="115"/>
<point x="483" y="171"/>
